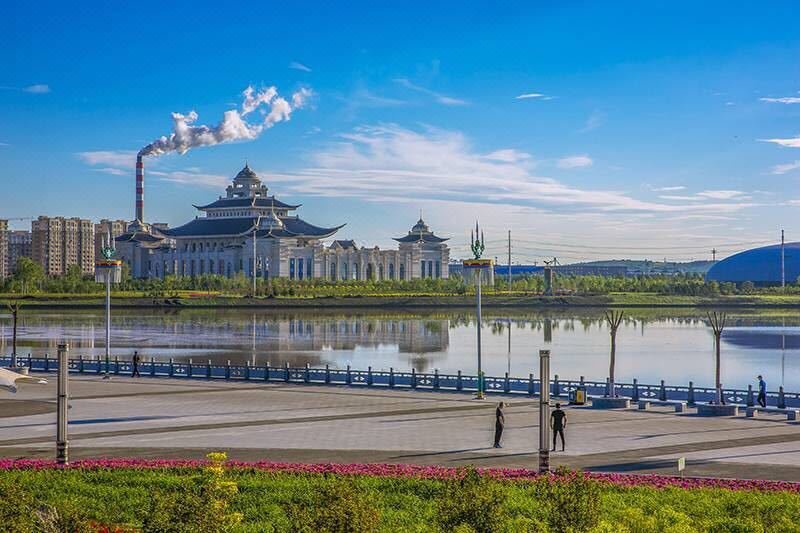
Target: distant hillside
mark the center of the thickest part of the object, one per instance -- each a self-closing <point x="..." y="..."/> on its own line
<point x="654" y="267"/>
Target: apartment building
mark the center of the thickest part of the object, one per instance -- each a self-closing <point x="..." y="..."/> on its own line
<point x="58" y="243"/>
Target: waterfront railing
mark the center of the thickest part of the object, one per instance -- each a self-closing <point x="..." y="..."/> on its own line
<point x="393" y="379"/>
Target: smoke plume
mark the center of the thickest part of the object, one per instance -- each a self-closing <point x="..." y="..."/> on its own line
<point x="235" y="124"/>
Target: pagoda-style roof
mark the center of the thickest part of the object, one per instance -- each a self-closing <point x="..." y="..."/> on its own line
<point x="229" y="227"/>
<point x="420" y="232"/>
<point x="265" y="202"/>
<point x="345" y="244"/>
<point x="138" y="236"/>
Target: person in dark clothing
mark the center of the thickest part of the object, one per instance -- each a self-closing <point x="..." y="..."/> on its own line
<point x="136" y="359"/>
<point x="558" y="421"/>
<point x="499" y="424"/>
<point x="762" y="392"/>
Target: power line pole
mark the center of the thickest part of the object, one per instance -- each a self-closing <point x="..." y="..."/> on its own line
<point x="783" y="263"/>
<point x="714" y="254"/>
<point x="509" y="260"/>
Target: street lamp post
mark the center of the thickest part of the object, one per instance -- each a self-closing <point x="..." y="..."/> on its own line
<point x="62" y="444"/>
<point x="544" y="411"/>
<point x="108" y="271"/>
<point x="478" y="266"/>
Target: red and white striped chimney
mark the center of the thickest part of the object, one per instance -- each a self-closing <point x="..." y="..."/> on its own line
<point x="139" y="188"/>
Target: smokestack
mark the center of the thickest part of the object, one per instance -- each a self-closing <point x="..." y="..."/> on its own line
<point x="139" y="188"/>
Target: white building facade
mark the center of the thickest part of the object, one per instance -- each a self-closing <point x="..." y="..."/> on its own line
<point x="248" y="232"/>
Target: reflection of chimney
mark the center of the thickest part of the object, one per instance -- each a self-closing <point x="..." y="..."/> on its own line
<point x="139" y="189"/>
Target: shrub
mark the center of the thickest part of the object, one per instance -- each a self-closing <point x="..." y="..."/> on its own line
<point x="572" y="501"/>
<point x="473" y="503"/>
<point x="16" y="507"/>
<point x="200" y="505"/>
<point x="337" y="507"/>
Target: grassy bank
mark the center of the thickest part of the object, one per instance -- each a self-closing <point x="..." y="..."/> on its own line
<point x="491" y="299"/>
<point x="156" y="496"/>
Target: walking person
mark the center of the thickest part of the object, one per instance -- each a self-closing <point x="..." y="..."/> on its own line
<point x="762" y="391"/>
<point x="499" y="424"/>
<point x="558" y="421"/>
<point x="136" y="359"/>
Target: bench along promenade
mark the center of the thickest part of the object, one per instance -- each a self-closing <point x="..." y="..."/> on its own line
<point x="643" y="394"/>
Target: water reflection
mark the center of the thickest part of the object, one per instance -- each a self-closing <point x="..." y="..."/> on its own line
<point x="675" y="345"/>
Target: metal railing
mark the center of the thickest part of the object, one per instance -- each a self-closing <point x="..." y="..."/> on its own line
<point x="436" y="381"/>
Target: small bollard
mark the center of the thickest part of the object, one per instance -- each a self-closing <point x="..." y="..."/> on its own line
<point x="327" y="373"/>
<point x="459" y="382"/>
<point x="781" y="398"/>
<point x="208" y="369"/>
<point x="635" y="394"/>
<point x="690" y="394"/>
<point x="750" y="402"/>
<point x="307" y="375"/>
<point x="662" y="392"/>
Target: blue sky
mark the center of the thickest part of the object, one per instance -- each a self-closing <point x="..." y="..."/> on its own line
<point x="645" y="131"/>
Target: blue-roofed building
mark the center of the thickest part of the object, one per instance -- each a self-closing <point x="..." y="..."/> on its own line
<point x="250" y="232"/>
<point x="761" y="266"/>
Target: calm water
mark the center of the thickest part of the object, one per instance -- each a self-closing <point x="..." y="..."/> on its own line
<point x="672" y="345"/>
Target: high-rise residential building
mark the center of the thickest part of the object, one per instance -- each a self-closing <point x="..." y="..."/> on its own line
<point x="19" y="245"/>
<point x="4" y="272"/>
<point x="101" y="230"/>
<point x="58" y="243"/>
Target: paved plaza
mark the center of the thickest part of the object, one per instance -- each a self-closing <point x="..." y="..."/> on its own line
<point x="162" y="417"/>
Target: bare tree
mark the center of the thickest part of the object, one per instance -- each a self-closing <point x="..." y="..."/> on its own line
<point x="614" y="318"/>
<point x="717" y="322"/>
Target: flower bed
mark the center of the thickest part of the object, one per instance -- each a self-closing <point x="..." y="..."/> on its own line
<point x="411" y="471"/>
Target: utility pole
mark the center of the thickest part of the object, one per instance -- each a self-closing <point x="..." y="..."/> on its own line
<point x="714" y="254"/>
<point x="509" y="260"/>
<point x="783" y="263"/>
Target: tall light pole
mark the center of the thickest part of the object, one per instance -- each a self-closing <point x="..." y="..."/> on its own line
<point x="107" y="271"/>
<point x="783" y="263"/>
<point x="478" y="265"/>
<point x="544" y="411"/>
<point x="62" y="444"/>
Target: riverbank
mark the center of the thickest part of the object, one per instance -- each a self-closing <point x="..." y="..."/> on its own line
<point x="188" y="299"/>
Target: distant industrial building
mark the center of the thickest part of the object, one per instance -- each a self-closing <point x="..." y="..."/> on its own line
<point x="57" y="243"/>
<point x="761" y="266"/>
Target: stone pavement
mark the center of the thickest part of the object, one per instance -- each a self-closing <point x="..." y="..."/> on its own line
<point x="155" y="417"/>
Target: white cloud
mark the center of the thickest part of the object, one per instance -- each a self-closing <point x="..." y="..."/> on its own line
<point x="575" y="161"/>
<point x="680" y="198"/>
<point x="193" y="178"/>
<point x="595" y="120"/>
<point x="388" y="163"/>
<point x="782" y="100"/>
<point x="793" y="142"/>
<point x="39" y="88"/>
<point x="786" y="167"/>
<point x="299" y="66"/>
<point x="721" y="194"/>
<point x="670" y="188"/>
<point x="438" y="97"/>
<point x="111" y="158"/>
<point x="114" y="171"/>
<point x="538" y="96"/>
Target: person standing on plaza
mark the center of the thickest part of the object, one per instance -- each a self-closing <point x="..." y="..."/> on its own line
<point x="499" y="424"/>
<point x="136" y="359"/>
<point x="558" y="421"/>
<point x="762" y="391"/>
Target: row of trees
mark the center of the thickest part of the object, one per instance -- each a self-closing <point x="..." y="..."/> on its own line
<point x="29" y="278"/>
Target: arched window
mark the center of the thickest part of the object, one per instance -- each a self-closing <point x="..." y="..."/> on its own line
<point x="333" y="271"/>
<point x="370" y="271"/>
<point x="380" y="271"/>
<point x="194" y="247"/>
<point x="344" y="270"/>
<point x="356" y="271"/>
<point x="402" y="271"/>
<point x="391" y="270"/>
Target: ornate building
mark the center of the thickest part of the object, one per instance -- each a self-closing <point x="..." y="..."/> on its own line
<point x="249" y="230"/>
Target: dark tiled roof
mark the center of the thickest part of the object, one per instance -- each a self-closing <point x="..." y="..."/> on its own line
<point x="247" y="202"/>
<point x="345" y="244"/>
<point x="206" y="227"/>
<point x="424" y="237"/>
<point x="138" y="236"/>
